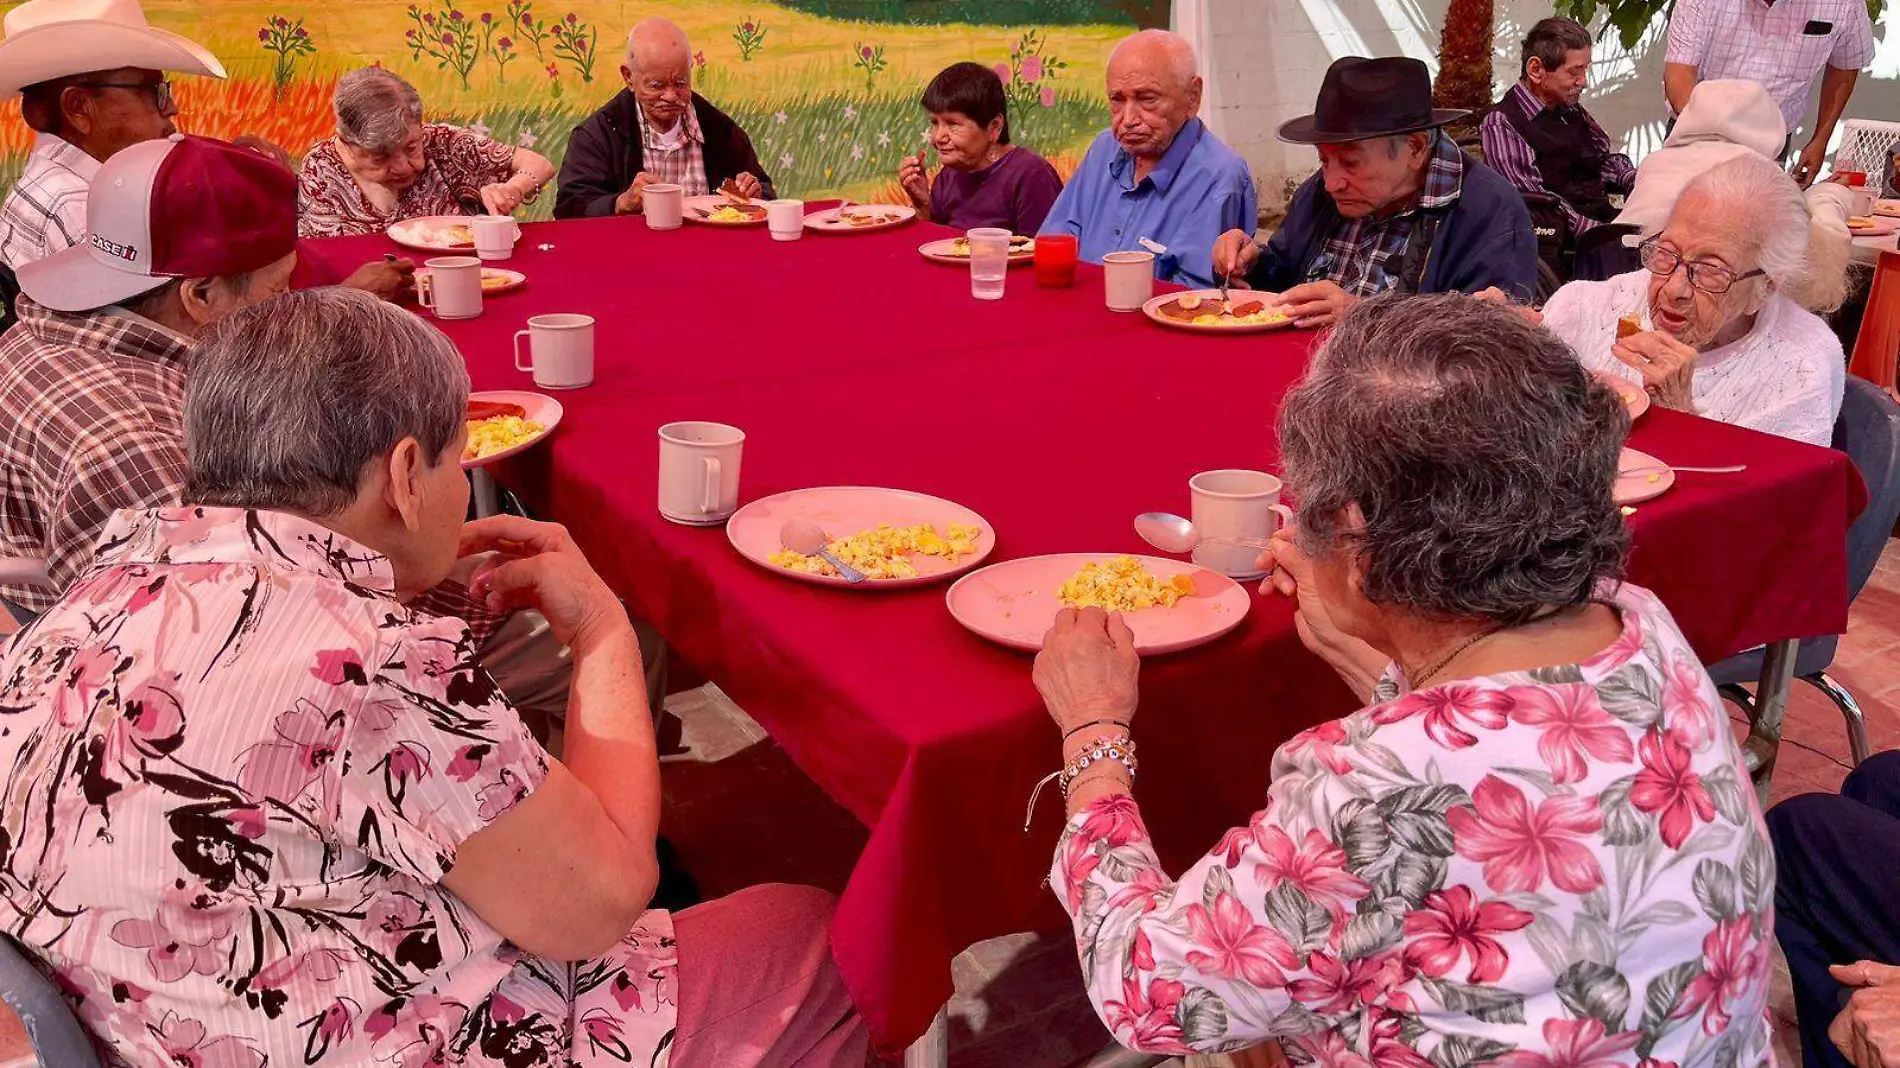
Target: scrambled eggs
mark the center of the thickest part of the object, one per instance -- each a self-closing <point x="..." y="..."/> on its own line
<point x="1121" y="584"/>
<point x="732" y="213"/>
<point x="456" y="236"/>
<point x="1266" y="314"/>
<point x="486" y="437"/>
<point x="881" y="551"/>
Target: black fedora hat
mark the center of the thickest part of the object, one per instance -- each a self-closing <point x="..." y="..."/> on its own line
<point x="1365" y="98"/>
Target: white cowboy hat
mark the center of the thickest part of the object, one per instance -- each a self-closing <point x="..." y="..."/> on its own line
<point x="48" y="39"/>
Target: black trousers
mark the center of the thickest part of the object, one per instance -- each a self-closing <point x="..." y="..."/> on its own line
<point x="1837" y="891"/>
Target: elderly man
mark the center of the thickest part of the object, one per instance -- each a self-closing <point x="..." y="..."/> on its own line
<point x="1543" y="141"/>
<point x="1395" y="207"/>
<point x="91" y="78"/>
<point x="1156" y="176"/>
<point x="1782" y="44"/>
<point x="655" y="131"/>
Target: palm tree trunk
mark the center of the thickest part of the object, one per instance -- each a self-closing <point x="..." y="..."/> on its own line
<point x="1464" y="60"/>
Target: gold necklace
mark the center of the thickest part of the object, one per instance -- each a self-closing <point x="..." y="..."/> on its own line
<point x="1444" y="661"/>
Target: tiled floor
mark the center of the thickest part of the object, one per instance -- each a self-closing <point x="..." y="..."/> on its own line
<point x="740" y="813"/>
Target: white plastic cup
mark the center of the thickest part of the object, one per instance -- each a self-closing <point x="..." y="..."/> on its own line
<point x="495" y="236"/>
<point x="699" y="472"/>
<point x="1235" y="504"/>
<point x="786" y="219"/>
<point x="989" y="262"/>
<point x="453" y="287"/>
<point x="560" y="350"/>
<point x="664" y="206"/>
<point x="1128" y="279"/>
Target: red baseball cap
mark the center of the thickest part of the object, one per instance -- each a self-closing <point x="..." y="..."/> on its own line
<point x="177" y="207"/>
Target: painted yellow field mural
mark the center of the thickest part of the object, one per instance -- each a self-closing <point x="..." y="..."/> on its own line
<point x="830" y="102"/>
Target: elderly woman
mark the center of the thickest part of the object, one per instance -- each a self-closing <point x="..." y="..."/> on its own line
<point x="1532" y="847"/>
<point x="385" y="164"/>
<point x="259" y="811"/>
<point x="985" y="180"/>
<point x="1722" y="307"/>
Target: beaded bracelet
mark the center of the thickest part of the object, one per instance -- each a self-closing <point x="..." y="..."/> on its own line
<point x="1119" y="748"/>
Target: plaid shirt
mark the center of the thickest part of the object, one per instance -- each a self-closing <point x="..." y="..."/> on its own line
<point x="95" y="405"/>
<point x="684" y="164"/>
<point x="1356" y="254"/>
<point x="1510" y="155"/>
<point x="1770" y="43"/>
<point x="46" y="210"/>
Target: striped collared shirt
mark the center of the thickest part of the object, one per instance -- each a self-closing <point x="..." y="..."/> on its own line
<point x="679" y="160"/>
<point x="45" y="212"/>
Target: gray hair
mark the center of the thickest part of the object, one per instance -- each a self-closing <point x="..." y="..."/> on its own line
<point x="1179" y="51"/>
<point x="1479" y="451"/>
<point x="1803" y="258"/>
<point x="288" y="401"/>
<point x="375" y="109"/>
<point x="1551" y="41"/>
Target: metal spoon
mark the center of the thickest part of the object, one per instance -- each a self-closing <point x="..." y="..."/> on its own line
<point x="808" y="539"/>
<point x="1174" y="534"/>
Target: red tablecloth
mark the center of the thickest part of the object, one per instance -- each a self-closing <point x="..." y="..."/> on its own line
<point x="852" y="360"/>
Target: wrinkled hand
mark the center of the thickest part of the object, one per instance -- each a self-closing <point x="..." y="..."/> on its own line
<point x="1088" y="668"/>
<point x="1494" y="295"/>
<point x="501" y="198"/>
<point x="914" y="175"/>
<point x="391" y="280"/>
<point x="748" y="186"/>
<point x="1868" y="1029"/>
<point x="1235" y="253"/>
<point x="537" y="565"/>
<point x="265" y="149"/>
<point x="1290" y="574"/>
<point x="1808" y="164"/>
<point x="1667" y="367"/>
<point x="633" y="201"/>
<point x="1316" y="305"/>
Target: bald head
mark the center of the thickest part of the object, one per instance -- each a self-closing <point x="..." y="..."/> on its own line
<point x="1154" y="90"/>
<point x="659" y="71"/>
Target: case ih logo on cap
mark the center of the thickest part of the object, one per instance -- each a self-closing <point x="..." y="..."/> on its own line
<point x="128" y="253"/>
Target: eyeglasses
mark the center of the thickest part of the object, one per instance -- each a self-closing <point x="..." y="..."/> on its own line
<point x="1711" y="278"/>
<point x="161" y="91"/>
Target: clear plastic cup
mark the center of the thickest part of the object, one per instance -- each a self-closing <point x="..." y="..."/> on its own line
<point x="989" y="262"/>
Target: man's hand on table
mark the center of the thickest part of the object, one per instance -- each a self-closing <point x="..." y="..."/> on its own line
<point x="1667" y="367"/>
<point x="1290" y="574"/>
<point x="537" y="565"/>
<point x="1316" y="305"/>
<point x="1235" y="253"/>
<point x="1868" y="1029"/>
<point x="633" y="201"/>
<point x="389" y="279"/>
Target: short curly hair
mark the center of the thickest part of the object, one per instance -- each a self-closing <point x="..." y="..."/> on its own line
<point x="1480" y="452"/>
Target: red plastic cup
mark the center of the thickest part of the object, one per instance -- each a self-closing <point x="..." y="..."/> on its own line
<point x="1854" y="178"/>
<point x="1055" y="260"/>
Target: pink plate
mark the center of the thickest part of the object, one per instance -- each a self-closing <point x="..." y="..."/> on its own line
<point x="431" y="233"/>
<point x="828" y="221"/>
<point x="845" y="510"/>
<point x="540" y="408"/>
<point x="943" y="250"/>
<point x="1877" y="226"/>
<point x="1152" y="309"/>
<point x="1013" y="603"/>
<point x="699" y="208"/>
<point x="1635" y="397"/>
<point x="495" y="280"/>
<point x="1648" y="477"/>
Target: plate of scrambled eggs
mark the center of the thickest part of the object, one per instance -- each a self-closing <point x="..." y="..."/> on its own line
<point x="434" y="233"/>
<point x="502" y="422"/>
<point x="1170" y="605"/>
<point x="718" y="210"/>
<point x="896" y="537"/>
<point x="1203" y="310"/>
<point x="956" y="250"/>
<point x="859" y="218"/>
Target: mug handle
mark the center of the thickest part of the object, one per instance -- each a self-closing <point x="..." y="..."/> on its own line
<point x="514" y="228"/>
<point x="519" y="366"/>
<point x="711" y="494"/>
<point x="1287" y="518"/>
<point x="425" y="291"/>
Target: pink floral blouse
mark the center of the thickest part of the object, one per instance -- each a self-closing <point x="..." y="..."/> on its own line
<point x="1564" y="868"/>
<point x="236" y="771"/>
<point x="457" y="163"/>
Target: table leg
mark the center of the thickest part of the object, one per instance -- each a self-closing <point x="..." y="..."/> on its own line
<point x="1771" y="704"/>
<point x="933" y="1049"/>
<point x="482" y="485"/>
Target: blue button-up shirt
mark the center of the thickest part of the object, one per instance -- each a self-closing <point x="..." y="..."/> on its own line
<point x="1200" y="190"/>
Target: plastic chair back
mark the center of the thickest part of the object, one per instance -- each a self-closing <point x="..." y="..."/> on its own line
<point x="1879" y="338"/>
<point x="1866" y="146"/>
<point x="57" y="1038"/>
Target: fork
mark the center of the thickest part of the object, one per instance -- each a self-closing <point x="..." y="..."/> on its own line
<point x="1654" y="469"/>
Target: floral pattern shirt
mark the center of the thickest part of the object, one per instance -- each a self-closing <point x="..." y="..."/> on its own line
<point x="457" y="163"/>
<point x="235" y="771"/>
<point x="1563" y="868"/>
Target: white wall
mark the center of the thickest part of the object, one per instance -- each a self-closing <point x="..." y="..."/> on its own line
<point x="1263" y="60"/>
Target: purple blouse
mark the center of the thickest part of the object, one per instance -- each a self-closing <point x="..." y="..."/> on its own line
<point x="1015" y="193"/>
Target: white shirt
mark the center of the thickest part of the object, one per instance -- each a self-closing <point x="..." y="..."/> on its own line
<point x="45" y="211"/>
<point x="1771" y="44"/>
<point x="1783" y="377"/>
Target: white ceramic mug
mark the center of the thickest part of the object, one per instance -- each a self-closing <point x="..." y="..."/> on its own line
<point x="453" y="287"/>
<point x="786" y="219"/>
<point x="1235" y="504"/>
<point x="1128" y="279"/>
<point x="664" y="206"/>
<point x="495" y="236"/>
<point x="699" y="472"/>
<point x="560" y="350"/>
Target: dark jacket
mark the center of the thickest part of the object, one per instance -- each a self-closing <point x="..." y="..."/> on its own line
<point x="1482" y="239"/>
<point x="604" y="154"/>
